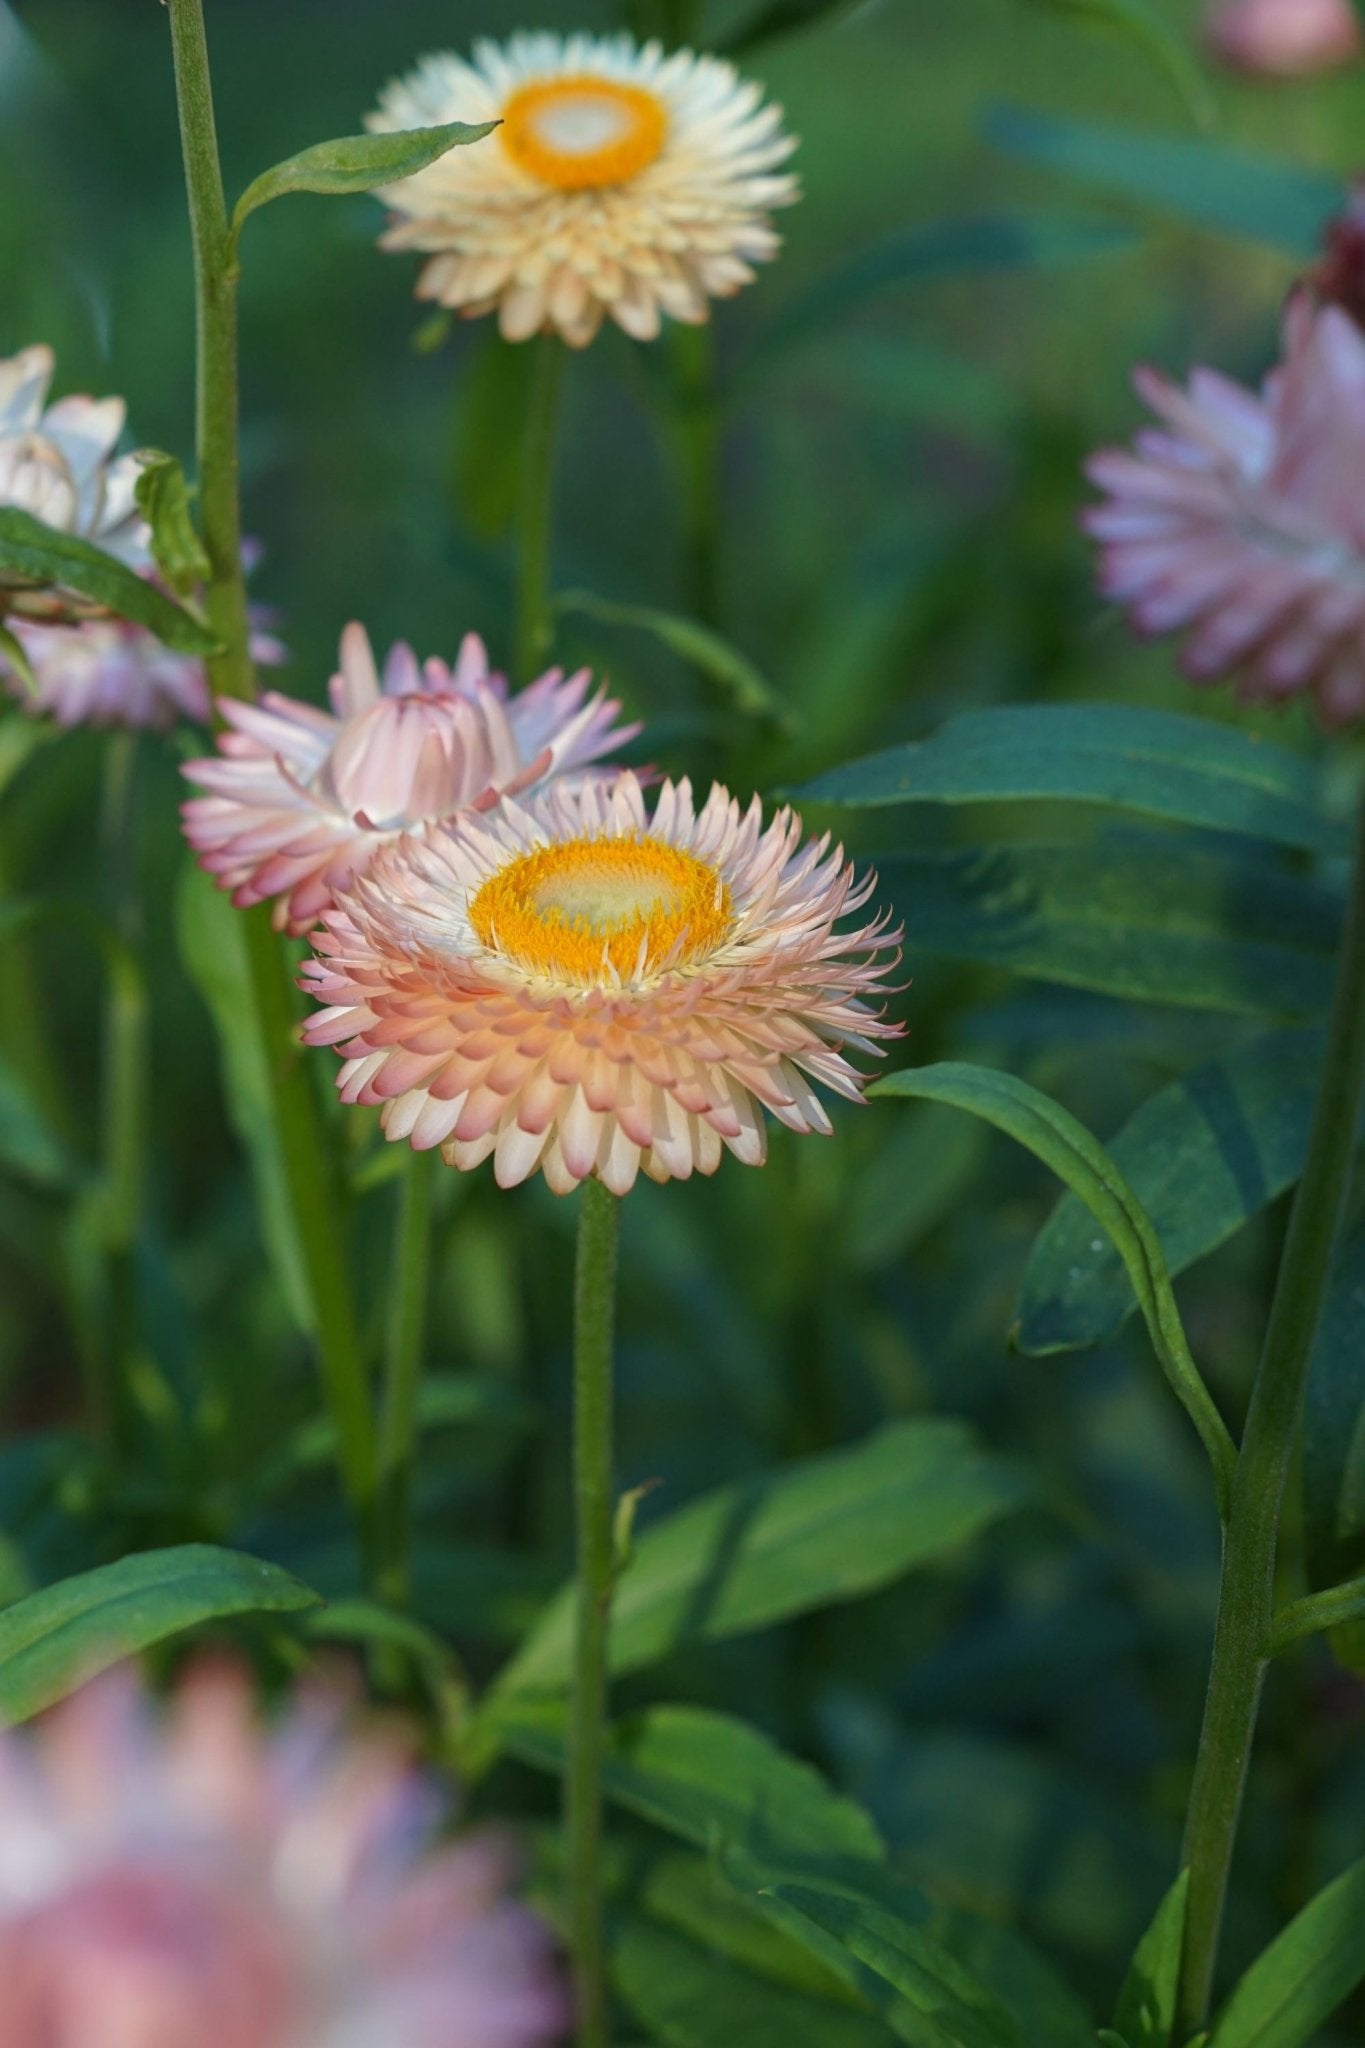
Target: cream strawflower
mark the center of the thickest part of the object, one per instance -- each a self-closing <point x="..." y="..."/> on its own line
<point x="624" y="180"/>
<point x="1241" y="519"/>
<point x="302" y="799"/>
<point x="55" y="464"/>
<point x="577" y="987"/>
<point x="195" y="1880"/>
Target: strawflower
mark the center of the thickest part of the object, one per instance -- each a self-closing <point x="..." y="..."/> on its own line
<point x="577" y="986"/>
<point x="624" y="182"/>
<point x="195" y="1880"/>
<point x="1240" y="519"/>
<point x="56" y="464"/>
<point x="301" y="800"/>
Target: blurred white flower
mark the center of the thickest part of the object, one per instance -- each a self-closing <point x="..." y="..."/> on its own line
<point x="624" y="181"/>
<point x="56" y="463"/>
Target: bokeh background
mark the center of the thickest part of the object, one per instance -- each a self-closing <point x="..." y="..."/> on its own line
<point x="901" y="483"/>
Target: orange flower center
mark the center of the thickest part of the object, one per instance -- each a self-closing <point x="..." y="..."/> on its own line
<point x="599" y="909"/>
<point x="577" y="132"/>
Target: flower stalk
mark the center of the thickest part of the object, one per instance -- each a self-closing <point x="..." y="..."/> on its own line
<point x="312" y="1193"/>
<point x="594" y="1327"/>
<point x="403" y="1376"/>
<point x="1245" y="1633"/>
<point x="535" y="509"/>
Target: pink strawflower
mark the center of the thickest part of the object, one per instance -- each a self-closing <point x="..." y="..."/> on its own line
<point x="303" y="799"/>
<point x="106" y="672"/>
<point x="576" y="987"/>
<point x="198" y="1881"/>
<point x="1240" y="520"/>
<point x="1284" y="38"/>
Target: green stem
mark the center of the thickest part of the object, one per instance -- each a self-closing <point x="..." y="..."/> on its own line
<point x="1246" y="1613"/>
<point x="403" y="1376"/>
<point x="124" y="1079"/>
<point x="594" y="1325"/>
<point x="535" y="509"/>
<point x="697" y="443"/>
<point x="314" y="1197"/>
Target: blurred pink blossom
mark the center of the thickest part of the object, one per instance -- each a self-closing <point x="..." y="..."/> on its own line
<point x="302" y="799"/>
<point x="1240" y="519"/>
<point x="1284" y="38"/>
<point x="199" y="1881"/>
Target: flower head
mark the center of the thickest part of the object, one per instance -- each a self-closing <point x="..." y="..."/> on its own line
<point x="623" y="181"/>
<point x="303" y="799"/>
<point x="577" y="987"/>
<point x="55" y="465"/>
<point x="200" y="1880"/>
<point x="1241" y="520"/>
<point x="1284" y="38"/>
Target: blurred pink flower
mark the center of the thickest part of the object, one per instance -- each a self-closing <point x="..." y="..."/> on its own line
<point x="1240" y="519"/>
<point x="201" y="1882"/>
<point x="302" y="799"/>
<point x="1284" y="38"/>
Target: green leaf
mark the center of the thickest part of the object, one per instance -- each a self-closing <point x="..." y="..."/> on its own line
<point x="47" y="558"/>
<point x="1229" y="190"/>
<point x="1303" y="1976"/>
<point x="29" y="1147"/>
<point x="1026" y="1983"/>
<point x="711" y="1780"/>
<point x="213" y="948"/>
<point x="164" y="498"/>
<point x="54" y="1640"/>
<point x="1157" y="764"/>
<point x="938" y="249"/>
<point x="714" y="657"/>
<point x="355" y="163"/>
<point x="825" y="1529"/>
<point x="1140" y="24"/>
<point x="445" y="1401"/>
<point x="1202" y="1156"/>
<point x="689" y="1997"/>
<point x="1144" y="916"/>
<point x="1336" y="1607"/>
<point x="1334" y="1422"/>
<point x="926" y="1997"/>
<point x="14" y="655"/>
<point x="1147" y="2003"/>
<point x="1053" y="1135"/>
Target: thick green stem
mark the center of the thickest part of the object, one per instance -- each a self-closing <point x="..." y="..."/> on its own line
<point x="594" y="1325"/>
<point x="1246" y="1613"/>
<point x="403" y="1376"/>
<point x="314" y="1197"/>
<point x="696" y="444"/>
<point x="535" y="510"/>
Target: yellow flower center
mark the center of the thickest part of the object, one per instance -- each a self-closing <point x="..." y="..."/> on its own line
<point x="579" y="909"/>
<point x="576" y="132"/>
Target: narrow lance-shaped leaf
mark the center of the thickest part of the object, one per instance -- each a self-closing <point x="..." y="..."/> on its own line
<point x="1203" y="1155"/>
<point x="1229" y="190"/>
<point x="164" y="498"/>
<point x="1156" y="764"/>
<point x="716" y="658"/>
<point x="355" y="163"/>
<point x="1147" y="2003"/>
<point x="1303" y="1976"/>
<point x="1053" y="1135"/>
<point x="45" y="557"/>
<point x="54" y="1640"/>
<point x="822" y="1530"/>
<point x="1139" y="22"/>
